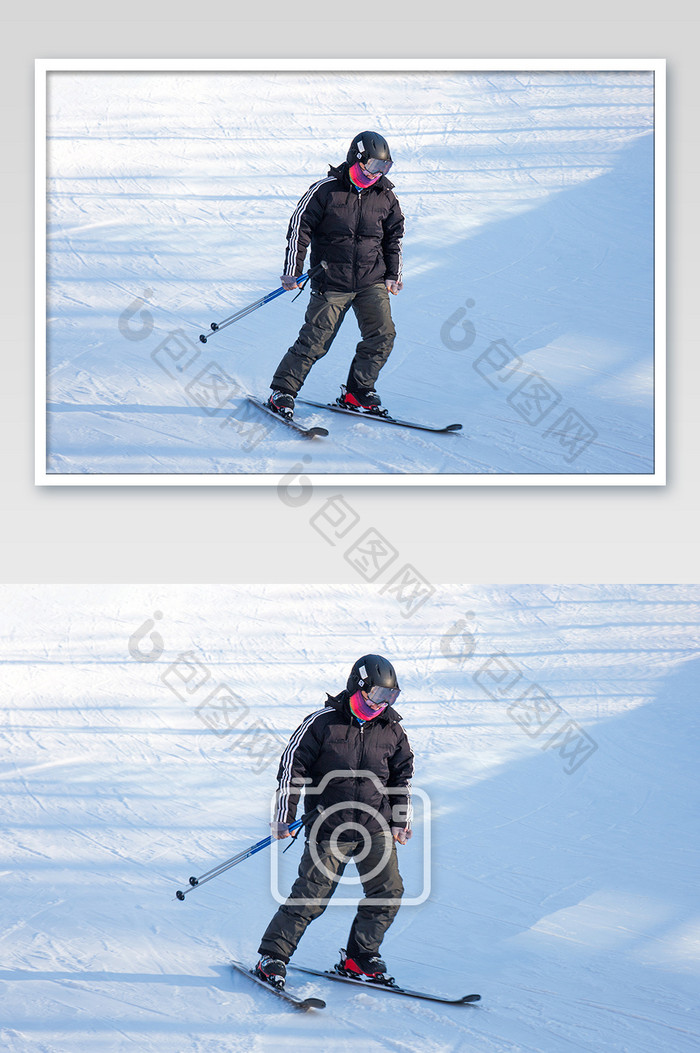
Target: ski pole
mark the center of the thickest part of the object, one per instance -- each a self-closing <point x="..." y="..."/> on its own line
<point x="245" y="854"/>
<point x="218" y="326"/>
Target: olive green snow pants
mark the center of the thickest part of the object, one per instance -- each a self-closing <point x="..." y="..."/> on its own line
<point x="317" y="881"/>
<point x="324" y="316"/>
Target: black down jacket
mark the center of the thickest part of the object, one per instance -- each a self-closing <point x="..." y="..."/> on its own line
<point x="357" y="234"/>
<point x="333" y="740"/>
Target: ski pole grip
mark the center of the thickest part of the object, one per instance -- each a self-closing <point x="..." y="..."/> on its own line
<point x="322" y="266"/>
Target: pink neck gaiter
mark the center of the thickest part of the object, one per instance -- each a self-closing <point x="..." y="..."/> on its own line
<point x="360" y="179"/>
<point x="360" y="708"/>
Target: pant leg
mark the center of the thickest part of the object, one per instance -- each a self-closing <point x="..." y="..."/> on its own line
<point x="383" y="892"/>
<point x="373" y="312"/>
<point x="321" y="323"/>
<point x="309" y="897"/>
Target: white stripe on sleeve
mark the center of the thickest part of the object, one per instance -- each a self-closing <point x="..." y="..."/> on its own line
<point x="295" y="225"/>
<point x="285" y="785"/>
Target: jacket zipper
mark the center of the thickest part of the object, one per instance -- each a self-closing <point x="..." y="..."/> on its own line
<point x="355" y="240"/>
<point x="360" y="768"/>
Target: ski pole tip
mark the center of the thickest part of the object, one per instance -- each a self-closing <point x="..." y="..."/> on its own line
<point x="180" y="894"/>
<point x="203" y="338"/>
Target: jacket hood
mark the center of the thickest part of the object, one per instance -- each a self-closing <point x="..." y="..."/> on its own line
<point x="341" y="703"/>
<point x="340" y="172"/>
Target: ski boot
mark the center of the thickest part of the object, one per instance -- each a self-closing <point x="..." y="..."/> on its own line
<point x="369" y="967"/>
<point x="273" y="970"/>
<point x="364" y="400"/>
<point x="283" y="403"/>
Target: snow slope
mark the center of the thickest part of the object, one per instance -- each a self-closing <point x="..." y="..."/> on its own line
<point x="528" y="251"/>
<point x="563" y="883"/>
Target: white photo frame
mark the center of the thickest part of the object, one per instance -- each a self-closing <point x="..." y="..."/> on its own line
<point x="53" y="467"/>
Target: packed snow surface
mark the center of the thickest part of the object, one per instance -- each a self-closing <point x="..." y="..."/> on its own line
<point x="556" y="737"/>
<point x="528" y="307"/>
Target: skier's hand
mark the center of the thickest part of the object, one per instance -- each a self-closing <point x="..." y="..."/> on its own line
<point x="280" y="830"/>
<point x="289" y="282"/>
<point x="403" y="835"/>
<point x="393" y="287"/>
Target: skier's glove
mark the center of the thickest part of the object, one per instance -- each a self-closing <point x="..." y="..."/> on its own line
<point x="289" y="282"/>
<point x="402" y="835"/>
<point x="393" y="287"/>
<point x="279" y="830"/>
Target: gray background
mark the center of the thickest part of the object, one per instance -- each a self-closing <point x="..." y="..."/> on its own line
<point x="247" y="534"/>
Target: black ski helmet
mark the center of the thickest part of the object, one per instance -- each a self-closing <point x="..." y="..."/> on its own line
<point x="366" y="145"/>
<point x="372" y="671"/>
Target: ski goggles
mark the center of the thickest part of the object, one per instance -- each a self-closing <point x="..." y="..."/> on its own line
<point x="376" y="167"/>
<point x="383" y="695"/>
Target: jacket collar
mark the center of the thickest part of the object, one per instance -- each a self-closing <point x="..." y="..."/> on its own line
<point x="341" y="704"/>
<point x="341" y="174"/>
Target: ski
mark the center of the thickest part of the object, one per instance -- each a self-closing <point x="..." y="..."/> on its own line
<point x="299" y="1003"/>
<point x="331" y="974"/>
<point x="302" y="429"/>
<point x="380" y="417"/>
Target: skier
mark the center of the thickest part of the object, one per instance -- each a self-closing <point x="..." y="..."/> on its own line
<point x="353" y="221"/>
<point x="345" y="755"/>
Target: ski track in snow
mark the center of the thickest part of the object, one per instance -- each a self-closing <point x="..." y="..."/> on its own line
<point x="527" y="195"/>
<point x="568" y="901"/>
